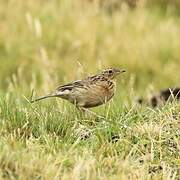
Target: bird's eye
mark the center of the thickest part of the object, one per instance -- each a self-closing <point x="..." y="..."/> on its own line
<point x="110" y="71"/>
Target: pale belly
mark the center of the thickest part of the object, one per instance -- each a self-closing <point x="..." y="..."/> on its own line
<point x="90" y="98"/>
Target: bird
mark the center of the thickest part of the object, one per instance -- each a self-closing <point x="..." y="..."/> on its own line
<point x="89" y="92"/>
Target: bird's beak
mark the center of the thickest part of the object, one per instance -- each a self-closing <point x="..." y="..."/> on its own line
<point x="120" y="71"/>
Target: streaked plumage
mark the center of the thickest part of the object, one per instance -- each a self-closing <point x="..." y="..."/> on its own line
<point x="89" y="92"/>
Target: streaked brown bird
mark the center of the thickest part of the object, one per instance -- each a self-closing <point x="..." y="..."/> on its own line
<point x="89" y="92"/>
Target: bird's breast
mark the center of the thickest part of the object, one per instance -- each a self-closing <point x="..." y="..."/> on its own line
<point x="98" y="94"/>
<point x="93" y="94"/>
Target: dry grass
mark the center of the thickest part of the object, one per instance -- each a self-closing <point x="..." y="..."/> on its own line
<point x="44" y="44"/>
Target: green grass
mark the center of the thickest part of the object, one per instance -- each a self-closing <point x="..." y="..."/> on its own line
<point x="47" y="43"/>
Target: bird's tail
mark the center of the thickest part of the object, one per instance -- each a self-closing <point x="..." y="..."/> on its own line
<point x="43" y="97"/>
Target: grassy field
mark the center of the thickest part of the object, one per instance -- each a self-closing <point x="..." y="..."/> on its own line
<point x="47" y="43"/>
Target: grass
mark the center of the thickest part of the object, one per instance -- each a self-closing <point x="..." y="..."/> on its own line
<point x="44" y="44"/>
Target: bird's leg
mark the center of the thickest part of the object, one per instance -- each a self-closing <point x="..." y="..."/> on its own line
<point x="81" y="109"/>
<point x="90" y="112"/>
<point x="83" y="112"/>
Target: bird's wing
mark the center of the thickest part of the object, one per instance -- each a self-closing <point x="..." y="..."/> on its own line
<point x="78" y="84"/>
<point x="70" y="86"/>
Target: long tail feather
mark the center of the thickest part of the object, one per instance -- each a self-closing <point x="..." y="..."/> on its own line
<point x="43" y="97"/>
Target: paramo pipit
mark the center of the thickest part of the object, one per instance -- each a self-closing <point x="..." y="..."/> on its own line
<point x="89" y="92"/>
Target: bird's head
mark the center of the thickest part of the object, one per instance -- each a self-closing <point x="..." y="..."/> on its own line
<point x="111" y="73"/>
